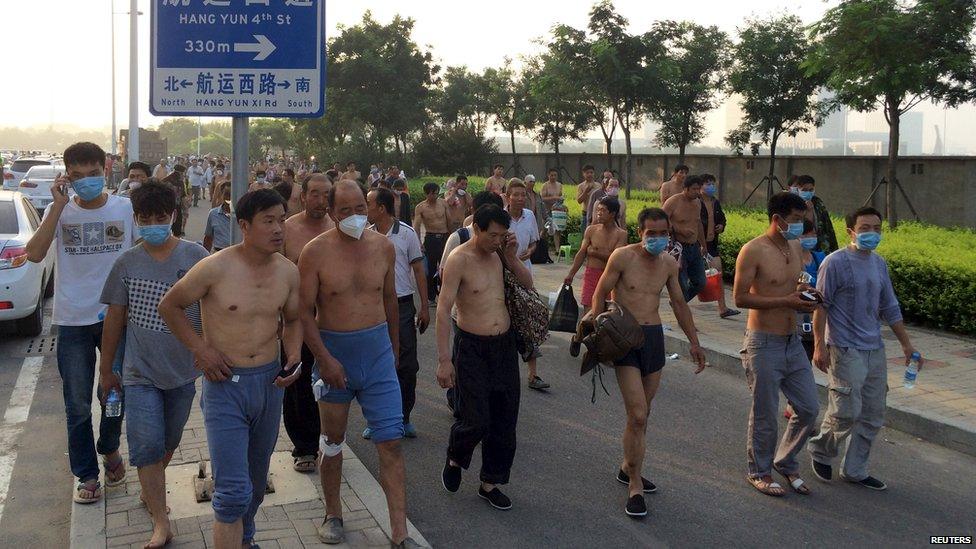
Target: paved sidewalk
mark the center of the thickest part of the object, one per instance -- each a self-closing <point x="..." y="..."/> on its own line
<point x="941" y="408"/>
<point x="287" y="519"/>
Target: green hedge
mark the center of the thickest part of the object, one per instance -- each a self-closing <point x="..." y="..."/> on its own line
<point x="933" y="269"/>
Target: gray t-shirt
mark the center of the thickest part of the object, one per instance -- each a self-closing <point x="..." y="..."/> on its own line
<point x="153" y="355"/>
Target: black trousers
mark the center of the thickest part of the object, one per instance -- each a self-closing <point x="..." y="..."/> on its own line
<point x="486" y="403"/>
<point x="409" y="366"/>
<point x="300" y="411"/>
<point x="433" y="250"/>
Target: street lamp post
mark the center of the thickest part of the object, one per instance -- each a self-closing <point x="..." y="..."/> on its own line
<point x="133" y="142"/>
<point x="115" y="132"/>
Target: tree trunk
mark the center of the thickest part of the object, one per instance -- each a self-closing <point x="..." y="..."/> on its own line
<point x="772" y="165"/>
<point x="555" y="146"/>
<point x="894" y="122"/>
<point x="630" y="157"/>
<point x="609" y="142"/>
<point x="681" y="152"/>
<point x="515" y="162"/>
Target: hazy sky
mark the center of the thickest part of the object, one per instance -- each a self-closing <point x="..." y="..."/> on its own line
<point x="58" y="64"/>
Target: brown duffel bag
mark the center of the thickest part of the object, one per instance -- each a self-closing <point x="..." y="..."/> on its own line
<point x="609" y="337"/>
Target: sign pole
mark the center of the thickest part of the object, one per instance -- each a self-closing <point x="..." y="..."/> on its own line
<point x="239" y="172"/>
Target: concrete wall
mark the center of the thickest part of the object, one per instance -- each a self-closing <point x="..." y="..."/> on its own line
<point x="944" y="193"/>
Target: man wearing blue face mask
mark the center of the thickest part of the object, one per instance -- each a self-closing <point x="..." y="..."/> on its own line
<point x="804" y="187"/>
<point x="90" y="231"/>
<point x="157" y="371"/>
<point x="636" y="275"/>
<point x="857" y="295"/>
<point x="713" y="220"/>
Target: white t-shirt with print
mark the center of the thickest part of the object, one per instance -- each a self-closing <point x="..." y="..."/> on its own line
<point x="88" y="243"/>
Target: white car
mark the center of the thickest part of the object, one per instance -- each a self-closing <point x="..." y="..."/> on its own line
<point x="36" y="185"/>
<point x="23" y="284"/>
<point x="15" y="172"/>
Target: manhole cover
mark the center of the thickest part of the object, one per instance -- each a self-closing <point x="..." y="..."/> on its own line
<point x="41" y="346"/>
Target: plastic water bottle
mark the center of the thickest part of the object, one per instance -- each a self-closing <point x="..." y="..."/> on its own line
<point x="911" y="371"/>
<point x="113" y="404"/>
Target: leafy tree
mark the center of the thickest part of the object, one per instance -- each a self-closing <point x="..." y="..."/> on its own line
<point x="454" y="149"/>
<point x="381" y="78"/>
<point x="572" y="46"/>
<point x="461" y="101"/>
<point x="634" y="72"/>
<point x="267" y="134"/>
<point x="213" y="143"/>
<point x="777" y="92"/>
<point x="699" y="58"/>
<point x="892" y="55"/>
<point x="558" y="105"/>
<point x="506" y="98"/>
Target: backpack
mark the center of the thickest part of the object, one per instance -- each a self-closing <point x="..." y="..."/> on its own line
<point x="464" y="234"/>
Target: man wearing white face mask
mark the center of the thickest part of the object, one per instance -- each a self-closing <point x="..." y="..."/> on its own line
<point x="857" y="295"/>
<point x="350" y="317"/>
<point x="90" y="230"/>
<point x="157" y="371"/>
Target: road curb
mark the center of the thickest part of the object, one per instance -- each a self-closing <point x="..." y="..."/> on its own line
<point x="919" y="424"/>
<point x="371" y="494"/>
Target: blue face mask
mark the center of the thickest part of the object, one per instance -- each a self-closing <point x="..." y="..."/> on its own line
<point x="89" y="188"/>
<point x="806" y="195"/>
<point x="867" y="241"/>
<point x="656" y="244"/>
<point x="709" y="190"/>
<point x="154" y="235"/>
<point x="808" y="243"/>
<point x="793" y="231"/>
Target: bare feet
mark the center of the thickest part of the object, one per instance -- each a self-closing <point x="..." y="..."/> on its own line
<point x="161" y="536"/>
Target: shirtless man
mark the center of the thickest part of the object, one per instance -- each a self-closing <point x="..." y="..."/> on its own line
<point x="583" y="190"/>
<point x="484" y="366"/>
<point x="552" y="193"/>
<point x="766" y="274"/>
<point x="461" y="183"/>
<point x="599" y="241"/>
<point x="674" y="185"/>
<point x="295" y="200"/>
<point x="301" y="413"/>
<point x="351" y="323"/>
<point x="431" y="214"/>
<point x="684" y="211"/>
<point x="245" y="292"/>
<point x="457" y="206"/>
<point x="351" y="172"/>
<point x="496" y="183"/>
<point x="636" y="274"/>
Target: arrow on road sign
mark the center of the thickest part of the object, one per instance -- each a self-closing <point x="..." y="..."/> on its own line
<point x="286" y="84"/>
<point x="186" y="83"/>
<point x="263" y="47"/>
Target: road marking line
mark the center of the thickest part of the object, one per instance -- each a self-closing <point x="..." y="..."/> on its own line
<point x="13" y="421"/>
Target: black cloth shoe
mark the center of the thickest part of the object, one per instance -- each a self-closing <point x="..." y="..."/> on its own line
<point x="624" y="478"/>
<point x="823" y="471"/>
<point x="496" y="498"/>
<point x="868" y="482"/>
<point x="636" y="507"/>
<point x="451" y="477"/>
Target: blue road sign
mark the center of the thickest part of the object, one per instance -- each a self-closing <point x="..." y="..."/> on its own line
<point x="238" y="58"/>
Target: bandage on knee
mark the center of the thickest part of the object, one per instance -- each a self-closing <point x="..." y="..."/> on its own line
<point x="329" y="449"/>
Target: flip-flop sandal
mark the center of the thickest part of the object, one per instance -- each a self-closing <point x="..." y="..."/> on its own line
<point x="111" y="469"/>
<point x="305" y="464"/>
<point x="91" y="486"/>
<point x="796" y="483"/>
<point x="767" y="487"/>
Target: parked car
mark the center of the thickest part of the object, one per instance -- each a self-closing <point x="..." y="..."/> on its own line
<point x="23" y="284"/>
<point x="14" y="173"/>
<point x="36" y="185"/>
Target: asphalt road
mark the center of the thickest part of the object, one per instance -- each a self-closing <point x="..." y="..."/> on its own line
<point x="562" y="485"/>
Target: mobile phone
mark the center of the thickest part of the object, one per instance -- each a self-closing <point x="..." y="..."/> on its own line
<point x="285" y="373"/>
<point x="809" y="296"/>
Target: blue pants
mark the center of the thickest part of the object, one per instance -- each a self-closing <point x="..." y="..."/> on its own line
<point x="76" y="364"/>
<point x="154" y="420"/>
<point x="371" y="377"/>
<point x="692" y="274"/>
<point x="241" y="415"/>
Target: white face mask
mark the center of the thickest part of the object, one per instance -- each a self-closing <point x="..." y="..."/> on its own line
<point x="353" y="225"/>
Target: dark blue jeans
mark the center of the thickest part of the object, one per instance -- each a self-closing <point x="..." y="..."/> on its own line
<point x="692" y="274"/>
<point x="77" y="366"/>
